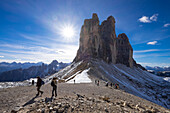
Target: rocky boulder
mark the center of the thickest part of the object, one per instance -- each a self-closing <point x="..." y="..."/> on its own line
<point x="100" y="41"/>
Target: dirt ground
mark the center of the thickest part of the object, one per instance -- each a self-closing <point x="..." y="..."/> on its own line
<point x="23" y="96"/>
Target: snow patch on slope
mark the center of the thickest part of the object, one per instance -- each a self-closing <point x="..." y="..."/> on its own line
<point x="167" y="79"/>
<point x="64" y="72"/>
<point x="13" y="84"/>
<point x="83" y="77"/>
<point x="30" y="80"/>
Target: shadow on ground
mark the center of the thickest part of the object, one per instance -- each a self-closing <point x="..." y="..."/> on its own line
<point x="30" y="102"/>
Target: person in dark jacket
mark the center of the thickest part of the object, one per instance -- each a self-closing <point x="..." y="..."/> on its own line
<point x="32" y="82"/>
<point x="39" y="84"/>
<point x="98" y="83"/>
<point x="111" y="84"/>
<point x="54" y="85"/>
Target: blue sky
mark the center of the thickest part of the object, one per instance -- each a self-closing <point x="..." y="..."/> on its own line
<point x="30" y="30"/>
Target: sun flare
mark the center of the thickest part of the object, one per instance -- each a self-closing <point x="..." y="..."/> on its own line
<point x="67" y="32"/>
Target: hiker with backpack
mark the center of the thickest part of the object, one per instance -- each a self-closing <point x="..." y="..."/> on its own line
<point x="107" y="84"/>
<point x="39" y="84"/>
<point x="54" y="85"/>
<point x="116" y="86"/>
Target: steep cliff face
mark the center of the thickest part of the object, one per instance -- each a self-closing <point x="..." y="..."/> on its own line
<point x="124" y="50"/>
<point x="100" y="41"/>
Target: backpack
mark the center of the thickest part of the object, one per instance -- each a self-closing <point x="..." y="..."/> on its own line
<point x="52" y="83"/>
<point x="42" y="82"/>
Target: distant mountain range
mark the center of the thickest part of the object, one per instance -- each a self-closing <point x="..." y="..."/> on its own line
<point x="157" y="68"/>
<point x="22" y="71"/>
<point x="33" y="71"/>
<point x="5" y="66"/>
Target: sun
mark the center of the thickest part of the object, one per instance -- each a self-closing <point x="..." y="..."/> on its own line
<point x="67" y="31"/>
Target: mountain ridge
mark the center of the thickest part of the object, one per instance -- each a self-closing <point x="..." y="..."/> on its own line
<point x="158" y="68"/>
<point x="32" y="72"/>
<point x="5" y="66"/>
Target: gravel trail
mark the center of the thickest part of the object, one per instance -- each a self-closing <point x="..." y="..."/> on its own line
<point x="13" y="98"/>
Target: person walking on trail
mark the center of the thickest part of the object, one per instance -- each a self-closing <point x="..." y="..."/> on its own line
<point x="32" y="82"/>
<point x="39" y="84"/>
<point x="111" y="84"/>
<point x="107" y="84"/>
<point x="54" y="85"/>
<point x="98" y="83"/>
<point x="116" y="86"/>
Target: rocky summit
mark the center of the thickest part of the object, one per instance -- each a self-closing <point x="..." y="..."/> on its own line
<point x="101" y="42"/>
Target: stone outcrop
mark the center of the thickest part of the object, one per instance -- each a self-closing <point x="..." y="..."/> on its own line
<point x="100" y="41"/>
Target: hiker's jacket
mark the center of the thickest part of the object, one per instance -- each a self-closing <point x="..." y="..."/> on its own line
<point x="39" y="82"/>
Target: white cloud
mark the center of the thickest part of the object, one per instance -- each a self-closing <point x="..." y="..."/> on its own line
<point x="144" y="51"/>
<point x="147" y="19"/>
<point x="154" y="17"/>
<point x="154" y="64"/>
<point x="14" y="46"/>
<point x="150" y="50"/>
<point x="166" y="25"/>
<point x="1" y="56"/>
<point x="152" y="43"/>
<point x="60" y="52"/>
<point x="144" y="19"/>
<point x="150" y="55"/>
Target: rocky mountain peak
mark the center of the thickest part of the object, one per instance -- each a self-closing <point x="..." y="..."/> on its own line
<point x="54" y="62"/>
<point x="95" y="17"/>
<point x="89" y="23"/>
<point x="111" y="19"/>
<point x="100" y="42"/>
<point x="123" y="36"/>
